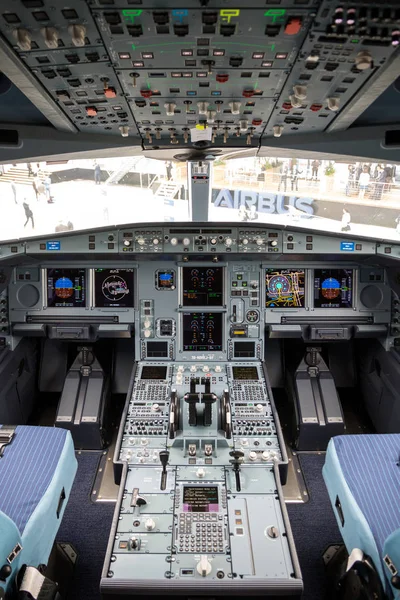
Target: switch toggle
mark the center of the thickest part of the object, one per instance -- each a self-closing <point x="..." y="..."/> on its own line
<point x="50" y="35"/>
<point x="204" y="566"/>
<point x="23" y="38"/>
<point x="77" y="33"/>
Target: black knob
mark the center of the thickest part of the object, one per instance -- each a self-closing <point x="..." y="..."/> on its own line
<point x="395" y="581"/>
<point x="5" y="572"/>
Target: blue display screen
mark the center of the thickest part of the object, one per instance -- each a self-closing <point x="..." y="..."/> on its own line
<point x="347" y="246"/>
<point x="53" y="245"/>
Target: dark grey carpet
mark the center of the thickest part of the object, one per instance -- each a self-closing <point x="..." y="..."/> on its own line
<point x="314" y="527"/>
<point x="86" y="526"/>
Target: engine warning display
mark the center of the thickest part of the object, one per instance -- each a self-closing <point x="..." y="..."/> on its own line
<point x="66" y="288"/>
<point x="202" y="286"/>
<point x="333" y="288"/>
<point x="200" y="498"/>
<point x="113" y="288"/>
<point x="284" y="288"/>
<point x="202" y="332"/>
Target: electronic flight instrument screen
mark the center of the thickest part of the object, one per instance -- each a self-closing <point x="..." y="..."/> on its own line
<point x="200" y="499"/>
<point x="113" y="287"/>
<point x="333" y="288"/>
<point x="202" y="286"/>
<point x="202" y="331"/>
<point x="66" y="288"/>
<point x="284" y="288"/>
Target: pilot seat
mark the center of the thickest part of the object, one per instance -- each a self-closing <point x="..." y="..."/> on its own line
<point x="37" y="470"/>
<point x="362" y="475"/>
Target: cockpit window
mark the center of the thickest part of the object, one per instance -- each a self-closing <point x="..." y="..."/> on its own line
<point x="361" y="198"/>
<point x="43" y="198"/>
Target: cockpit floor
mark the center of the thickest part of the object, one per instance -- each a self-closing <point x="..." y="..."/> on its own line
<point x="86" y="525"/>
<point x="314" y="527"/>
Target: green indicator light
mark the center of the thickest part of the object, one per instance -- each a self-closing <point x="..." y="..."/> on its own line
<point x="130" y="14"/>
<point x="275" y="13"/>
<point x="355" y="41"/>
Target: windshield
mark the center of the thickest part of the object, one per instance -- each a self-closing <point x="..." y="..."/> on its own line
<point x="43" y="198"/>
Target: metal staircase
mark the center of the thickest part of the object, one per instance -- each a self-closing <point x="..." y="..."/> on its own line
<point x="168" y="190"/>
<point x="20" y="175"/>
<point x="126" y="166"/>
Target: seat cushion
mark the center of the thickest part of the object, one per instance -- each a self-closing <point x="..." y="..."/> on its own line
<point x="26" y="470"/>
<point x="36" y="475"/>
<point x="362" y="473"/>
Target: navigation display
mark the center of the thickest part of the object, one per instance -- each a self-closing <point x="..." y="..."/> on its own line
<point x="66" y="288"/>
<point x="333" y="288"/>
<point x="202" y="286"/>
<point x="284" y="288"/>
<point x="200" y="499"/>
<point x="113" y="288"/>
<point x="202" y="332"/>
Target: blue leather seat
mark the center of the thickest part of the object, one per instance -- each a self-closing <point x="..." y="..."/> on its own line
<point x="362" y="474"/>
<point x="37" y="471"/>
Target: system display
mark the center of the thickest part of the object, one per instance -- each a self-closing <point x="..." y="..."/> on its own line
<point x="333" y="288"/>
<point x="284" y="288"/>
<point x="165" y="280"/>
<point x="66" y="288"/>
<point x="200" y="499"/>
<point x="245" y="373"/>
<point x="113" y="288"/>
<point x="202" y="332"/>
<point x="202" y="286"/>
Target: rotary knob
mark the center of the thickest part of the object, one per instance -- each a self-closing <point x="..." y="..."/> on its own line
<point x="181" y="368"/>
<point x="147" y="333"/>
<point x="206" y="368"/>
<point x="259" y="407"/>
<point x="193" y="369"/>
<point x="144" y="441"/>
<point x="213" y="241"/>
<point x="259" y="241"/>
<point x="252" y="455"/>
<point x="200" y="472"/>
<point x="333" y="104"/>
<point x="155" y="407"/>
<point x="245" y="241"/>
<point x="156" y="241"/>
<point x="273" y="243"/>
<point x="300" y="91"/>
<point x="141" y="241"/>
<point x="228" y="241"/>
<point x="150" y="524"/>
<point x="363" y="60"/>
<point x="277" y="130"/>
<point x="244" y="442"/>
<point x="218" y="369"/>
<point x="266" y="456"/>
<point x="186" y="241"/>
<point x="174" y="241"/>
<point x="23" y="38"/>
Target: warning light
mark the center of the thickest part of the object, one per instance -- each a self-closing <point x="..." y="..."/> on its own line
<point x="110" y="92"/>
<point x="146" y="93"/>
<point x="256" y="122"/>
<point x="91" y="111"/>
<point x="248" y="93"/>
<point x="223" y="78"/>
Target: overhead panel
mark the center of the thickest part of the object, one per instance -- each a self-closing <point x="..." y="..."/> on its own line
<point x="207" y="71"/>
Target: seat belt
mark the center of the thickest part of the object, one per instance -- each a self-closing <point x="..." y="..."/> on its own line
<point x="35" y="586"/>
<point x="7" y="433"/>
